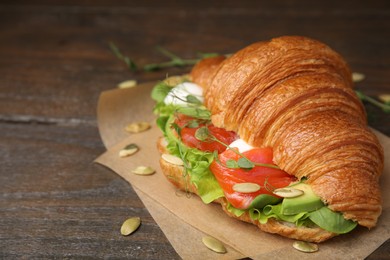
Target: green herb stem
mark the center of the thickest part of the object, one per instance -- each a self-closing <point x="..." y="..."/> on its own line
<point x="130" y="63"/>
<point x="167" y="53"/>
<point x="175" y="60"/>
<point x="385" y="107"/>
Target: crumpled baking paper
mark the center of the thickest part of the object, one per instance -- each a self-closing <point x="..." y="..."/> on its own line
<point x="184" y="219"/>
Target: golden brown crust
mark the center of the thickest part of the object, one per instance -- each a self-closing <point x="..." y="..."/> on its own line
<point x="176" y="175"/>
<point x="205" y="69"/>
<point x="295" y="94"/>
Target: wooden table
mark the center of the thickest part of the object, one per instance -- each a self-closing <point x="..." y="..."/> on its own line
<point x="54" y="62"/>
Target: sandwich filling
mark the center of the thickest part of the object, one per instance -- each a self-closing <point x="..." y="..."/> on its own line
<point x="220" y="164"/>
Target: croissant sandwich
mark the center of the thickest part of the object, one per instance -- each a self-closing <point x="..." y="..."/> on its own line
<point x="276" y="134"/>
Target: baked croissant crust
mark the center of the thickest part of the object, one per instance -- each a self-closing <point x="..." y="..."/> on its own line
<point x="295" y="94"/>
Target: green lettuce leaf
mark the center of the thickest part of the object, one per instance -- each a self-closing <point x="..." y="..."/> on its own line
<point x="197" y="165"/>
<point x="236" y="212"/>
<point x="332" y="221"/>
<point x="264" y="199"/>
<point x="276" y="212"/>
<point x="160" y="91"/>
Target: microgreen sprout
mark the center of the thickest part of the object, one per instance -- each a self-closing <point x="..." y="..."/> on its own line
<point x="193" y="124"/>
<point x="203" y="134"/>
<point x="130" y="63"/>
<point x="174" y="60"/>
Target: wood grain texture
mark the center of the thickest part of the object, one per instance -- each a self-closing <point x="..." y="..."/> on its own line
<point x="55" y="61"/>
<point x="56" y="203"/>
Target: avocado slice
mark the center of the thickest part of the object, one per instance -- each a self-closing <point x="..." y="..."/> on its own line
<point x="304" y="203"/>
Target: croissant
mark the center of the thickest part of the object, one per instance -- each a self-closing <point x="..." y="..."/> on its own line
<point x="296" y="95"/>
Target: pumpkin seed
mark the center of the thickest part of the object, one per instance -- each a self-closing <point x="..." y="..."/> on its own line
<point x="175" y="80"/>
<point x="137" y="127"/>
<point x="130" y="225"/>
<point x="124" y="153"/>
<point x="246" y="187"/>
<point x="143" y="170"/>
<point x="214" y="244"/>
<point x="172" y="159"/>
<point x="128" y="150"/>
<point x="288" y="192"/>
<point x="357" y="77"/>
<point x="384" y="98"/>
<point x="127" y="84"/>
<point x="306" y="247"/>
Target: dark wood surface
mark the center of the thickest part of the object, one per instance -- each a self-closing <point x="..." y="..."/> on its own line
<point x="55" y="61"/>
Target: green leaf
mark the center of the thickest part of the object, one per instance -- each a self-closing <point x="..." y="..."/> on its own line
<point x="202" y="134"/>
<point x="160" y="91"/>
<point x="197" y="165"/>
<point x="177" y="128"/>
<point x="216" y="158"/>
<point x="275" y="211"/>
<point x="193" y="124"/>
<point x="332" y="221"/>
<point x="235" y="211"/>
<point x="254" y="213"/>
<point x="163" y="109"/>
<point x="193" y="100"/>
<point x="161" y="122"/>
<point x="232" y="164"/>
<point x="196" y="112"/>
<point x="245" y="163"/>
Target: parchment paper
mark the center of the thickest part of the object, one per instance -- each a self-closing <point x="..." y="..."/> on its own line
<point x="185" y="219"/>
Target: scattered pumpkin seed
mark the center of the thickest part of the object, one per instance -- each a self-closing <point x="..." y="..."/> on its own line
<point x="131" y="146"/>
<point x="127" y="84"/>
<point x="125" y="153"/>
<point x="137" y="127"/>
<point x="214" y="244"/>
<point x="306" y="247"/>
<point x="385" y="98"/>
<point x="143" y="170"/>
<point x="172" y="159"/>
<point x="175" y="80"/>
<point x="130" y="225"/>
<point x="288" y="192"/>
<point x="357" y="77"/>
<point x="246" y="187"/>
<point x="128" y="150"/>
